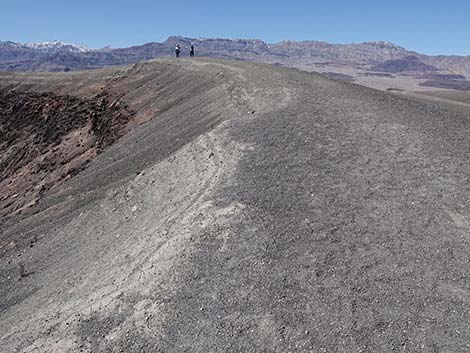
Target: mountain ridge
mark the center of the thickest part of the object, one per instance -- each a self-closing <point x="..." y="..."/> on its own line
<point x="258" y="209"/>
<point x="309" y="55"/>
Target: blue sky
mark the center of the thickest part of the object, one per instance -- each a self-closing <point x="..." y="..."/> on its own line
<point x="432" y="27"/>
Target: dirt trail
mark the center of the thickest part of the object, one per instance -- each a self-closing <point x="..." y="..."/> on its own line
<point x="255" y="209"/>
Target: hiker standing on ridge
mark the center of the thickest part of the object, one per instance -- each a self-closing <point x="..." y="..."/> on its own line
<point x="191" y="53"/>
<point x="177" y="50"/>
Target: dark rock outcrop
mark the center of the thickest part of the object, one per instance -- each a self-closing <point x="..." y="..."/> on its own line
<point x="408" y="64"/>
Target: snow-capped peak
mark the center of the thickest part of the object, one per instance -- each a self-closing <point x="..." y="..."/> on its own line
<point x="57" y="46"/>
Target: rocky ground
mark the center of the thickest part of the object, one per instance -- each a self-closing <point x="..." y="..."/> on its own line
<point x="46" y="138"/>
<point x="249" y="208"/>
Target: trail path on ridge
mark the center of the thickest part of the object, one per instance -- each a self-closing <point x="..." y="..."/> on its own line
<point x="257" y="209"/>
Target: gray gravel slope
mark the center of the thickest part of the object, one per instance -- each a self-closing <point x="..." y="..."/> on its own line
<point x="309" y="216"/>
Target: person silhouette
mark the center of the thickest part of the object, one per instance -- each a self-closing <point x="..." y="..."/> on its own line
<point x="177" y="50"/>
<point x="191" y="53"/>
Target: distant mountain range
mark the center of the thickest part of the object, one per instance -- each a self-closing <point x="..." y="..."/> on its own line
<point x="45" y="47"/>
<point x="379" y="57"/>
<point x="56" y="46"/>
